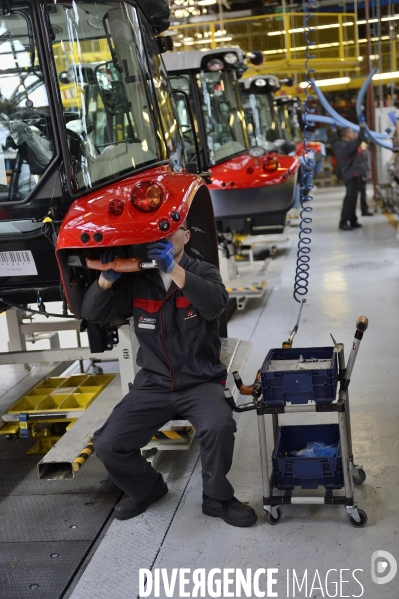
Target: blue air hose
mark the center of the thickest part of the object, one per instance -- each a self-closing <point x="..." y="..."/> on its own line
<point x="318" y="118"/>
<point x="359" y="101"/>
<point x="335" y="115"/>
<point x="342" y="122"/>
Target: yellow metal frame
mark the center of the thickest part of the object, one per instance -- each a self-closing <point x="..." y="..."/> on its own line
<point x="338" y="48"/>
<point x="56" y="394"/>
<point x="281" y="38"/>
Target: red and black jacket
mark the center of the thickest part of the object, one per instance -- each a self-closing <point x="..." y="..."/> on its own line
<point x="178" y="329"/>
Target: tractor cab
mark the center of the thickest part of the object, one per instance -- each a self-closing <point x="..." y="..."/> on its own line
<point x="288" y="110"/>
<point x="251" y="190"/>
<point x="91" y="150"/>
<point x="263" y="125"/>
<point x="289" y="117"/>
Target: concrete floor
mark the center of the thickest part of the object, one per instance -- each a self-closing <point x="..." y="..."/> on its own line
<point x="352" y="273"/>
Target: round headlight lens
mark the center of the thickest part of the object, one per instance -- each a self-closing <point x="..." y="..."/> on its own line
<point x="147" y="196"/>
<point x="115" y="207"/>
<point x="270" y="163"/>
<point x="260" y="82"/>
<point x="215" y="65"/>
<point x="230" y="58"/>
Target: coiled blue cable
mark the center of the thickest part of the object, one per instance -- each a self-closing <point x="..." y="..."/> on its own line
<point x="303" y="254"/>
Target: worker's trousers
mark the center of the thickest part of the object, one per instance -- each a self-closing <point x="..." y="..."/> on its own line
<point x="349" y="206"/>
<point x="363" y="195"/>
<point x="139" y="416"/>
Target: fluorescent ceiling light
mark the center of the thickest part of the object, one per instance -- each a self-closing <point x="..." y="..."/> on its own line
<point x="325" y="82"/>
<point x="276" y="32"/>
<point x="206" y="2"/>
<point x="393" y="75"/>
<point x="216" y="39"/>
<point x="393" y="18"/>
<point x="327" y="26"/>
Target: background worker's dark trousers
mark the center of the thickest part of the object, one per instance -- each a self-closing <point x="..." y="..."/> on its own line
<point x="349" y="206"/>
<point x="139" y="416"/>
<point x="363" y="195"/>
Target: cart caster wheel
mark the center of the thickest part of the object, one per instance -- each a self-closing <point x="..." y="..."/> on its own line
<point x="271" y="519"/>
<point x="360" y="478"/>
<point x="97" y="370"/>
<point x="363" y="520"/>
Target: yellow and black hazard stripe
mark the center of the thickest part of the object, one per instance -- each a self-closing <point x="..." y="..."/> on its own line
<point x="177" y="436"/>
<point x="250" y="288"/>
<point x="82" y="457"/>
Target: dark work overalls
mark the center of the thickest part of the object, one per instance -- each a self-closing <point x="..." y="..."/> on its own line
<point x="181" y="374"/>
<point x="352" y="169"/>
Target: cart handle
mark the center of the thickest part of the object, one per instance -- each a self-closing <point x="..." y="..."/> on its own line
<point x="246" y="407"/>
<point x="362" y="324"/>
<point x="255" y="390"/>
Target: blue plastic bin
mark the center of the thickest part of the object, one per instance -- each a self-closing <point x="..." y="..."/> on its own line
<point x="299" y="386"/>
<point x="307" y="473"/>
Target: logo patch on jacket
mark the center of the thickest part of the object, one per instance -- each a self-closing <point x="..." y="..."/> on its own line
<point x="190" y="314"/>
<point x="146" y="323"/>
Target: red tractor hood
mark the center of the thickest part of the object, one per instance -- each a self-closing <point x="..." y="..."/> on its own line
<point x="88" y="224"/>
<point x="242" y="172"/>
<point x="316" y="146"/>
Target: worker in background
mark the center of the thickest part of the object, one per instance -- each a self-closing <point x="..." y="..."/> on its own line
<point x="351" y="168"/>
<point x="176" y="314"/>
<point x="363" y="184"/>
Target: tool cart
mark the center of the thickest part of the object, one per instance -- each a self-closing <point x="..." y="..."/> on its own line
<point x="293" y="381"/>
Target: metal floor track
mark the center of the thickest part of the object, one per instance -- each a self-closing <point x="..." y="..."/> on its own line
<point x="47" y="527"/>
<point x="133" y="544"/>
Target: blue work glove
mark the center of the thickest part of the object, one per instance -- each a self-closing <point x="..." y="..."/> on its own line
<point x="362" y="119"/>
<point x="108" y="256"/>
<point x="164" y="253"/>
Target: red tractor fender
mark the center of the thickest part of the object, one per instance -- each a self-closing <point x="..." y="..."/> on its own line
<point x="89" y="226"/>
<point x="89" y="223"/>
<point x="245" y="172"/>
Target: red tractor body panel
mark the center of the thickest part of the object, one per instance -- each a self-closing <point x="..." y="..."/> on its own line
<point x="89" y="216"/>
<point x="244" y="172"/>
<point x="316" y="146"/>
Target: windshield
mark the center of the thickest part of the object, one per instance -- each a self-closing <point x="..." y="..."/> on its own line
<point x="182" y="82"/>
<point x="284" y="122"/>
<point x="260" y="119"/>
<point x="222" y="114"/>
<point x="26" y="143"/>
<point x="289" y="124"/>
<point x="105" y="84"/>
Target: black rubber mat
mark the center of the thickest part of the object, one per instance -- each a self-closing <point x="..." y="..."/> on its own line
<point x="54" y="517"/>
<point x="12" y="449"/>
<point x="27" y="570"/>
<point x="41" y="518"/>
<point x="20" y="477"/>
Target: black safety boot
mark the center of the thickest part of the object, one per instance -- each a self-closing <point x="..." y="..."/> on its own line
<point x="368" y="213"/>
<point x="355" y="225"/>
<point x="345" y="227"/>
<point x="127" y="508"/>
<point x="231" y="511"/>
